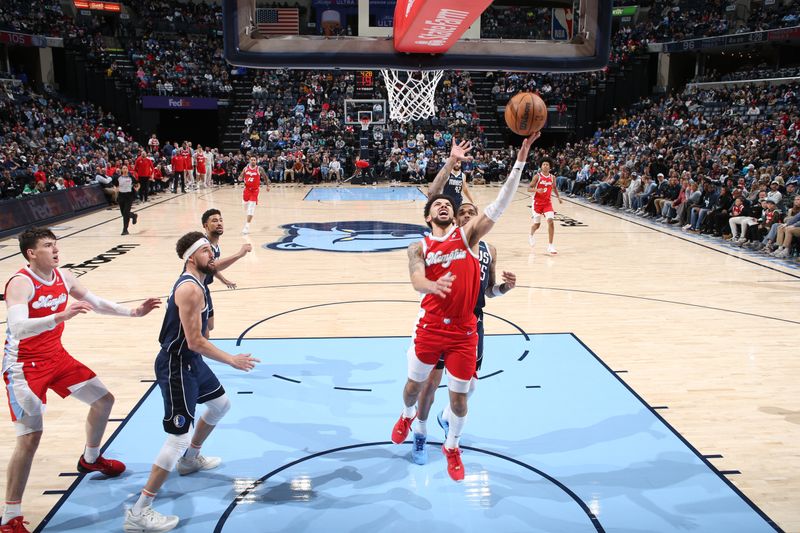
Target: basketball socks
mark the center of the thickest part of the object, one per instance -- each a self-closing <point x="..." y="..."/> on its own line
<point x="12" y="510"/>
<point x="531" y="240"/>
<point x="456" y="425"/>
<point x="421" y="427"/>
<point x="145" y="500"/>
<point x="410" y="412"/>
<point x="91" y="453"/>
<point x="193" y="451"/>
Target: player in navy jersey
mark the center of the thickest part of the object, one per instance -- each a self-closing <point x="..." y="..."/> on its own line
<point x="185" y="380"/>
<point x="455" y="185"/>
<point x="212" y="224"/>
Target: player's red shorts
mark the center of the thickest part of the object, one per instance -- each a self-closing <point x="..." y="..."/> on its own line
<point x="457" y="343"/>
<point x="250" y="195"/>
<point x="541" y="208"/>
<point x="27" y="382"/>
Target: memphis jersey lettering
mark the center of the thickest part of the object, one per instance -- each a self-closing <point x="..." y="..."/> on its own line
<point x="444" y="259"/>
<point x="48" y="301"/>
<point x="451" y="254"/>
<point x="49" y="298"/>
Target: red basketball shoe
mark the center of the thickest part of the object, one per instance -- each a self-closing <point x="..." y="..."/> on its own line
<point x="15" y="525"/>
<point x="455" y="468"/>
<point x="401" y="429"/>
<point x="107" y="467"/>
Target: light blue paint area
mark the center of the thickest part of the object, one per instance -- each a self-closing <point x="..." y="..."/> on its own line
<point x="546" y="459"/>
<point x="367" y="193"/>
<point x="359" y="236"/>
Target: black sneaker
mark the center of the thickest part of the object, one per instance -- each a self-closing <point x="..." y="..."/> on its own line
<point x="134" y="218"/>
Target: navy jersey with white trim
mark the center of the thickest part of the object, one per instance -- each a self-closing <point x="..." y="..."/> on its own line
<point x="172" y="337"/>
<point x="453" y="187"/>
<point x="485" y="260"/>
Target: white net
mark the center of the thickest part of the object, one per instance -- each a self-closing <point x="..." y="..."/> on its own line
<point x="411" y="93"/>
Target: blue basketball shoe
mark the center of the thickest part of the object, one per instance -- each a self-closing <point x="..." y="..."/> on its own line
<point x="419" y="454"/>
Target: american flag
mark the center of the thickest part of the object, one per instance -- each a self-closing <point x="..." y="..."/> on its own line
<point x="278" y="21"/>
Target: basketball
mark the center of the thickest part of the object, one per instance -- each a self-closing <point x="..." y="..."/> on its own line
<point x="526" y="113"/>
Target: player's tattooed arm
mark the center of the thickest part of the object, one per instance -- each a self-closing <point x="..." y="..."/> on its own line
<point x="416" y="269"/>
<point x="416" y="263"/>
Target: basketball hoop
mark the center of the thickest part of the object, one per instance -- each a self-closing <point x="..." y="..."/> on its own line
<point x="411" y="93"/>
<point x="364" y="123"/>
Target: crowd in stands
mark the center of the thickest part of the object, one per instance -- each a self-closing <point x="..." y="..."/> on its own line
<point x="700" y="160"/>
<point x="43" y="17"/>
<point x="516" y="22"/>
<point x="301" y="115"/>
<point x="670" y="20"/>
<point x="190" y="65"/>
<point x="47" y="144"/>
<point x="758" y="72"/>
<point x="179" y="17"/>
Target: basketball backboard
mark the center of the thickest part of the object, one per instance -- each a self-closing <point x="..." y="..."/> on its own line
<point x="511" y="35"/>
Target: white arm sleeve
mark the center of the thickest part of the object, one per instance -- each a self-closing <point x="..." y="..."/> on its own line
<point x="22" y="327"/>
<point x="506" y="194"/>
<point x="105" y="307"/>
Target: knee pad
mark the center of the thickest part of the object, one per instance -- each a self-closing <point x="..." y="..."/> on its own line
<point x="29" y="424"/>
<point x="172" y="450"/>
<point x="216" y="409"/>
<point x="473" y="383"/>
<point x="417" y="370"/>
<point x="89" y="391"/>
<point x="458" y="385"/>
<point x="251" y="208"/>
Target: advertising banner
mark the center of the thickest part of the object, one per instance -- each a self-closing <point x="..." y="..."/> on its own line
<point x="178" y="102"/>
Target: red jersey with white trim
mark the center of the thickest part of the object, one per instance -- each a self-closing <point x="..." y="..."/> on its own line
<point x="544" y="189"/>
<point x="187" y="159"/>
<point x="48" y="299"/>
<point x="252" y="177"/>
<point x="452" y="254"/>
<point x="200" y="162"/>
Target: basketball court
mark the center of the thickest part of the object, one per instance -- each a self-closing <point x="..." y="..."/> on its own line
<point x="639" y="380"/>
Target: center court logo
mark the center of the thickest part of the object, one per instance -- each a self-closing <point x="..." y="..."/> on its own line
<point x="348" y="236"/>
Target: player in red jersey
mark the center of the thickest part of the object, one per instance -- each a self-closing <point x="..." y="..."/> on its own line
<point x="542" y="189"/>
<point x="444" y="267"/>
<point x="188" y="165"/>
<point x="35" y="360"/>
<point x="200" y="165"/>
<point x="251" y="175"/>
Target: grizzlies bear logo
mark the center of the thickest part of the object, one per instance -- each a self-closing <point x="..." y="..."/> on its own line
<point x="350" y="236"/>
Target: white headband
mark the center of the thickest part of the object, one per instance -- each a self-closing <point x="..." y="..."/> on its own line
<point x="199" y="243"/>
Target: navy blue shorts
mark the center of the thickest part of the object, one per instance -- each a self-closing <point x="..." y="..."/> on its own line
<point x="440" y="364"/>
<point x="184" y="383"/>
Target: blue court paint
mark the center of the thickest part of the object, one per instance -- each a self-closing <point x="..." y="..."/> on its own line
<point x="367" y="193"/>
<point x="580" y="454"/>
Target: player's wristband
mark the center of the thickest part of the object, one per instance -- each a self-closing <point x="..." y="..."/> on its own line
<point x="497" y="291"/>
